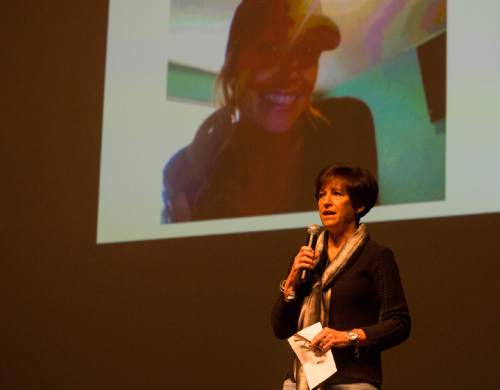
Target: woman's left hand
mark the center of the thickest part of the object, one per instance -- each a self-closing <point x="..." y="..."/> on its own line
<point x="330" y="338"/>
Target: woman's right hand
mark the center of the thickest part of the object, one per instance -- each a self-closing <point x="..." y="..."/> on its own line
<point x="303" y="260"/>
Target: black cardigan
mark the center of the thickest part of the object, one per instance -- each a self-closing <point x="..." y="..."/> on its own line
<point x="367" y="294"/>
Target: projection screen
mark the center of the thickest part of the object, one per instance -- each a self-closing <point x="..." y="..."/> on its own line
<point x="433" y="153"/>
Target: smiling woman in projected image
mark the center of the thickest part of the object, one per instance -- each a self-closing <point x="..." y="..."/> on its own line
<point x="353" y="288"/>
<point x="256" y="154"/>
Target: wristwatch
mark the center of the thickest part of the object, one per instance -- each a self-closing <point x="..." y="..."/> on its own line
<point x="353" y="337"/>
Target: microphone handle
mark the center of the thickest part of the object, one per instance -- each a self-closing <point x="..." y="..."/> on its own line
<point x="304" y="273"/>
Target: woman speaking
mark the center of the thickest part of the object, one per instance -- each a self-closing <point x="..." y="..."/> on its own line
<point x="354" y="288"/>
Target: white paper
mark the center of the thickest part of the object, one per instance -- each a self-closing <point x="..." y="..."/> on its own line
<point x="317" y="368"/>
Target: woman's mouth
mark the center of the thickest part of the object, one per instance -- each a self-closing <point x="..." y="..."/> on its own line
<point x="280" y="98"/>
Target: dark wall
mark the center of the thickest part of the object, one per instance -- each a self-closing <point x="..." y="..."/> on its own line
<point x="190" y="313"/>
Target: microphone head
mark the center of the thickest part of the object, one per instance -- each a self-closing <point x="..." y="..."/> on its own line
<point x="313" y="230"/>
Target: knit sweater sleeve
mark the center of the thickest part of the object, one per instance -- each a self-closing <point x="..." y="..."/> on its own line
<point x="394" y="322"/>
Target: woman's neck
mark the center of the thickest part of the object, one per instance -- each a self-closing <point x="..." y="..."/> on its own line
<point x="338" y="237"/>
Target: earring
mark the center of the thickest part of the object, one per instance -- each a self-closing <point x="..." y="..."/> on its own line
<point x="235" y="116"/>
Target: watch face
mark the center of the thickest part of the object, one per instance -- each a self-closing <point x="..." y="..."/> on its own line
<point x="353" y="336"/>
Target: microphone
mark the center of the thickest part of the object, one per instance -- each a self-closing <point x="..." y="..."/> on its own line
<point x="312" y="236"/>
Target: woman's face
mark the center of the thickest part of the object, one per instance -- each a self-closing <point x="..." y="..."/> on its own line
<point x="276" y="80"/>
<point x="335" y="207"/>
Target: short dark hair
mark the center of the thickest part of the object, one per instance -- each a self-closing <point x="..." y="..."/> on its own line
<point x="361" y="186"/>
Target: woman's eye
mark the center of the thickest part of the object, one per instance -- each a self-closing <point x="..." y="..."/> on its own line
<point x="308" y="53"/>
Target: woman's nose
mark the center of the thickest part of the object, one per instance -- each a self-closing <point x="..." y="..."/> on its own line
<point x="327" y="201"/>
<point x="289" y="63"/>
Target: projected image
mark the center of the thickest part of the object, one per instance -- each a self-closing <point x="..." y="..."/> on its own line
<point x="218" y="114"/>
<point x="278" y="89"/>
